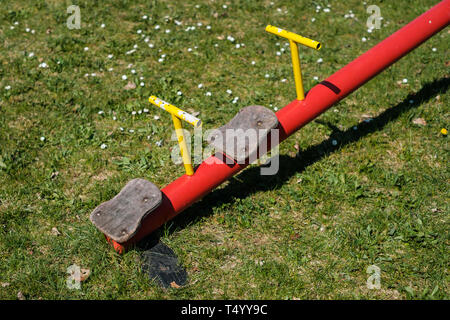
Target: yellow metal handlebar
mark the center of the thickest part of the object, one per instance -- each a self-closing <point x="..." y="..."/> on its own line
<point x="189" y="118"/>
<point x="294" y="37"/>
<point x="178" y="114"/>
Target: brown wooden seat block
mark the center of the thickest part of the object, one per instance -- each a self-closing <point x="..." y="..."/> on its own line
<point x="120" y="217"/>
<point x="233" y="138"/>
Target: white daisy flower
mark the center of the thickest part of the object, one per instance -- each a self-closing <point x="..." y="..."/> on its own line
<point x="42" y="138"/>
<point x="124" y="77"/>
<point x="230" y="38"/>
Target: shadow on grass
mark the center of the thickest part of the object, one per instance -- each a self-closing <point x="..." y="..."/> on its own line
<point x="250" y="180"/>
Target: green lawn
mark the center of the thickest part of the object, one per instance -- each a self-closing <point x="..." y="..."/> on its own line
<point x="379" y="197"/>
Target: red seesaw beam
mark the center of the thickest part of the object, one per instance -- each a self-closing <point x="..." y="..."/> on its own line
<point x="186" y="190"/>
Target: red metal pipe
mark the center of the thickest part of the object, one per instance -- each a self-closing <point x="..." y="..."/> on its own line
<point x="186" y="190"/>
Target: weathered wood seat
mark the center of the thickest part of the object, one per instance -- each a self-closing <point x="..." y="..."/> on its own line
<point x="241" y="137"/>
<point x="120" y="217"/>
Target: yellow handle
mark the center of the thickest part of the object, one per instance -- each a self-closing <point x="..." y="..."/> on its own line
<point x="185" y="155"/>
<point x="196" y="122"/>
<point x="178" y="114"/>
<point x="294" y="37"/>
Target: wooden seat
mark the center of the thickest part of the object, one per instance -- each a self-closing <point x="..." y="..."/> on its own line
<point x="233" y="138"/>
<point x="120" y="217"/>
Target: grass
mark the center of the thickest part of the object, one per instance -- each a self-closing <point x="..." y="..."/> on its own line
<point x="379" y="197"/>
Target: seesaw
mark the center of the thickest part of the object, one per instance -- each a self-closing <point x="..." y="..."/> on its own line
<point x="141" y="207"/>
